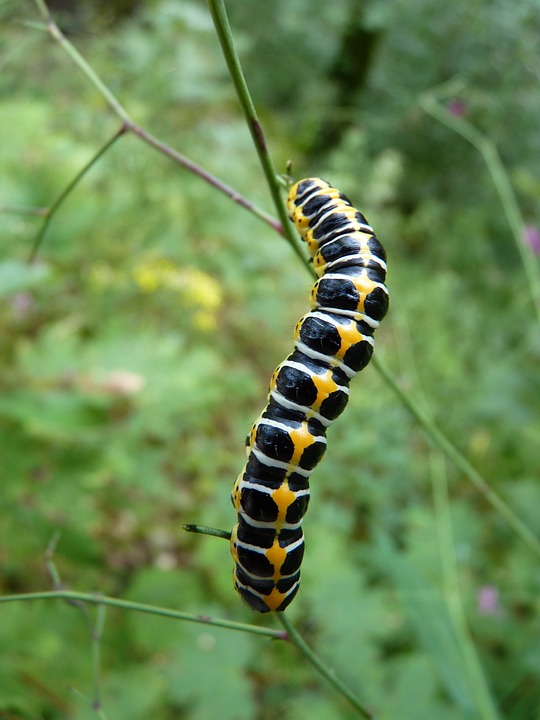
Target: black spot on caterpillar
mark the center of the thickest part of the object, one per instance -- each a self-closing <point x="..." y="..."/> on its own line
<point x="308" y="391"/>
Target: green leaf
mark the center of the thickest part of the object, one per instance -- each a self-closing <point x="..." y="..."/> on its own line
<point x="168" y="588"/>
<point x="133" y="692"/>
<point x="428" y="614"/>
<point x="58" y="415"/>
<point x="209" y="671"/>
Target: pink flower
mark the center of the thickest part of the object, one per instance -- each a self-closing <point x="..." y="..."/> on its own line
<point x="488" y="600"/>
<point x="531" y="237"/>
<point x="457" y="107"/>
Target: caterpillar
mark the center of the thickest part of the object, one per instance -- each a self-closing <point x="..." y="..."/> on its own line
<point x="308" y="391"/>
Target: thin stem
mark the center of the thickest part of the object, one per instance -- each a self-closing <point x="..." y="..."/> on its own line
<point x="500" y="178"/>
<point x="100" y="712"/>
<point x="96" y="626"/>
<point x="57" y="581"/>
<point x="50" y="212"/>
<point x="78" y="59"/>
<point x="96" y="599"/>
<point x="129" y="125"/>
<point x="97" y="634"/>
<point x="223" y="30"/>
<point x="205" y="175"/>
<point x="205" y="530"/>
<point x="440" y="440"/>
<point x="297" y="640"/>
<point x="474" y="671"/>
<point x="49" y="562"/>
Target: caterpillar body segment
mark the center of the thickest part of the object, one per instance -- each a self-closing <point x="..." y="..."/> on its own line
<point x="308" y="391"/>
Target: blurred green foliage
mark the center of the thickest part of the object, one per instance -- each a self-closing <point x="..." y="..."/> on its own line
<point x="136" y="353"/>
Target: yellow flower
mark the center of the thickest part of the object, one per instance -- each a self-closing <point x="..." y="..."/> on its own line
<point x="149" y="275"/>
<point x="201" y="289"/>
<point x="195" y="287"/>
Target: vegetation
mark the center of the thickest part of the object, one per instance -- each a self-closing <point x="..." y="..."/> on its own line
<point x="136" y="349"/>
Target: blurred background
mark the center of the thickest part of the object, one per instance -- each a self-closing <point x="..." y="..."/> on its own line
<point x="137" y="351"/>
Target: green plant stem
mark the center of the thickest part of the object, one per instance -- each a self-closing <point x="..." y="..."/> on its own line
<point x="50" y="212"/>
<point x="205" y="530"/>
<point x="484" y="701"/>
<point x="60" y="38"/>
<point x="97" y="634"/>
<point x="57" y="582"/>
<point x="223" y="30"/>
<point x="95" y="626"/>
<point x="212" y="180"/>
<point x="49" y="562"/>
<point x="297" y="640"/>
<point x="96" y="599"/>
<point x="98" y="710"/>
<point x="129" y="125"/>
<point x="500" y="178"/>
<point x="440" y="440"/>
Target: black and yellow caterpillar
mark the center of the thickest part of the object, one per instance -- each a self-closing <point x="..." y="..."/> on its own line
<point x="308" y="391"/>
